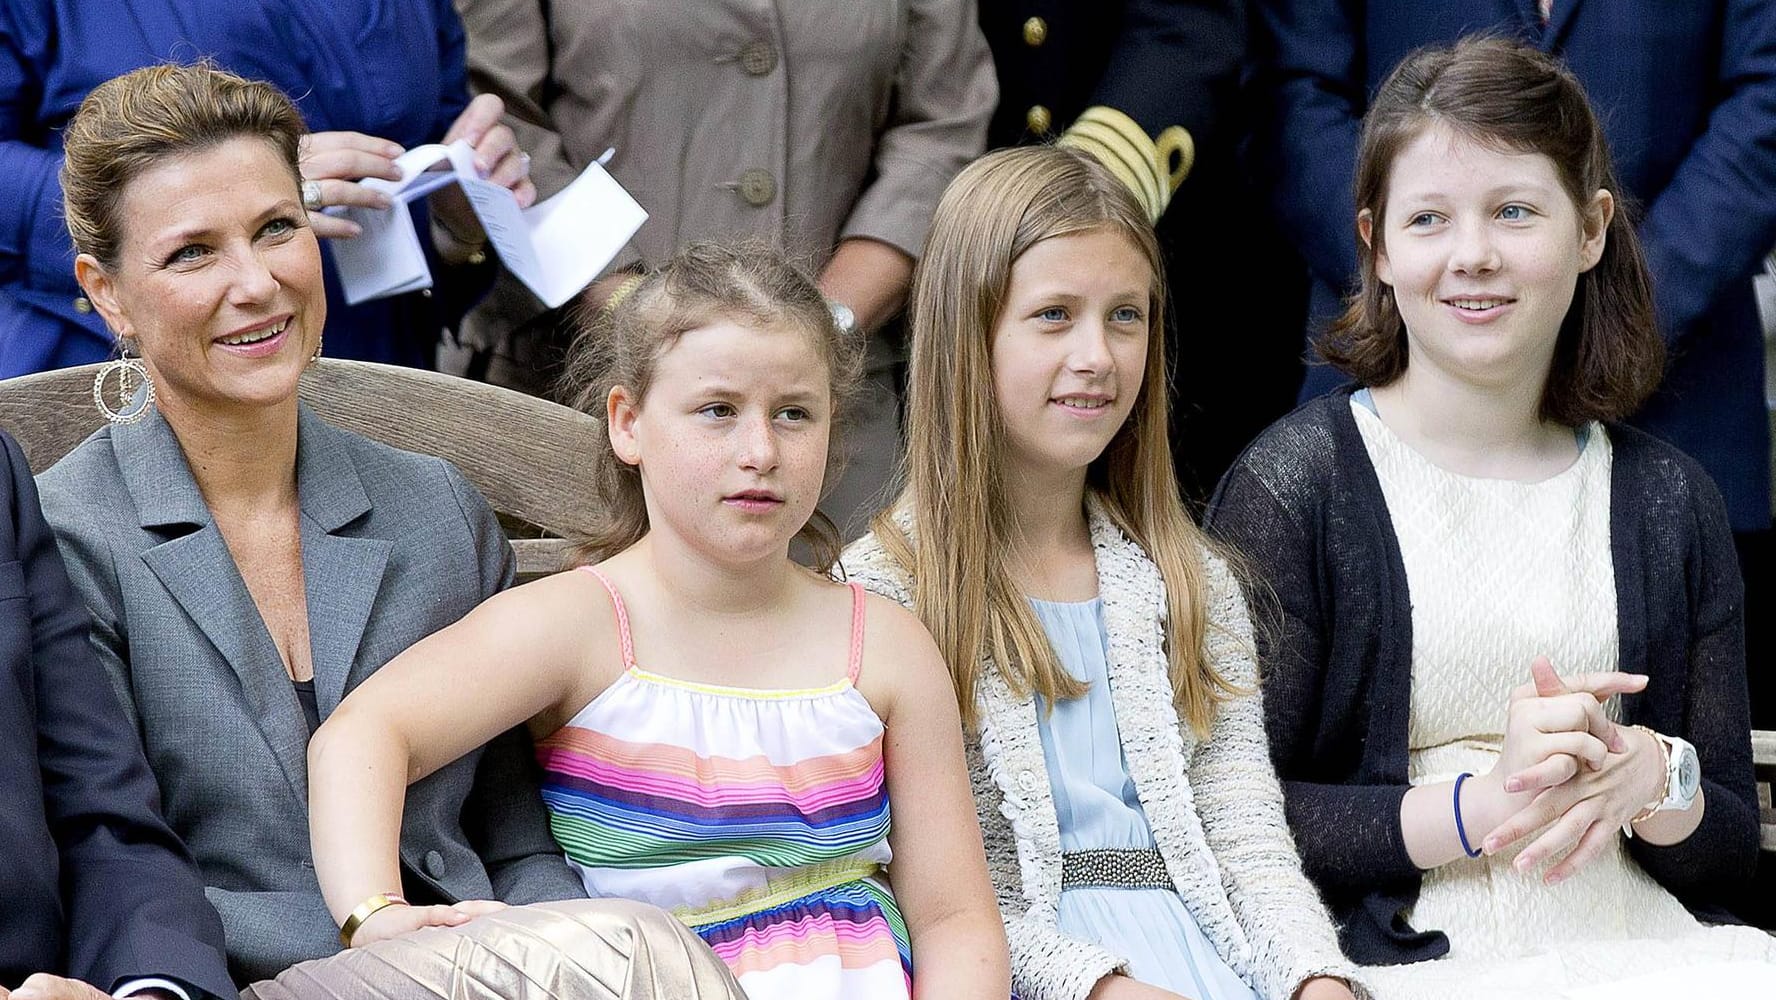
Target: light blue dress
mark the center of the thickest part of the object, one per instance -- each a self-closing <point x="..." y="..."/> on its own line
<point x="1096" y="806"/>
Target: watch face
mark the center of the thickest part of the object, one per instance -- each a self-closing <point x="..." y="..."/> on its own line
<point x="1689" y="774"/>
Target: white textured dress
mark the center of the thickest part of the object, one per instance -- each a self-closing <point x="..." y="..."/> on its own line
<point x="1499" y="573"/>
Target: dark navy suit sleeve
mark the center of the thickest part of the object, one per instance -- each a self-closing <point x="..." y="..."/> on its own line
<point x="132" y="898"/>
<point x="1313" y="94"/>
<point x="1175" y="63"/>
<point x="1717" y="217"/>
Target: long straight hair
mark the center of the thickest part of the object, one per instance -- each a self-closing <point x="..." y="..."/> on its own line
<point x="961" y="518"/>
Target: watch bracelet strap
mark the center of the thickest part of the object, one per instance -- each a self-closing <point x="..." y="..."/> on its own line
<point x="364" y="911"/>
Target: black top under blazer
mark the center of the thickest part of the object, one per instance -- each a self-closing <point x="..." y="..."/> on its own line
<point x="95" y="885"/>
<point x="1305" y="507"/>
<point x="395" y="546"/>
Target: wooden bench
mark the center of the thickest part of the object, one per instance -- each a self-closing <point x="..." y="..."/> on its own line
<point x="529" y="457"/>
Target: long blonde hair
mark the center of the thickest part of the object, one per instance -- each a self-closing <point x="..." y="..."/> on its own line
<point x="750" y="282"/>
<point x="962" y="522"/>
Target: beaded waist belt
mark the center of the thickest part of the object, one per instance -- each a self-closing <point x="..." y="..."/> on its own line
<point x="1112" y="869"/>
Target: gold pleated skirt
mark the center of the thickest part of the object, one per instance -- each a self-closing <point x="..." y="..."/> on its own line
<point x="588" y="949"/>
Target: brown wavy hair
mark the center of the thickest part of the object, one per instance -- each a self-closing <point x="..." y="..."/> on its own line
<point x="1609" y="356"/>
<point x="963" y="590"/>
<point x="706" y="282"/>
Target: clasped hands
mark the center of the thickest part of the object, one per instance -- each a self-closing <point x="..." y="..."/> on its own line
<point x="1567" y="767"/>
<point x="337" y="161"/>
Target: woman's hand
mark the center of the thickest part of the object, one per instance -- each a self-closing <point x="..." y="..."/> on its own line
<point x="1588" y="810"/>
<point x="1325" y="988"/>
<point x="393" y="921"/>
<point x="337" y="161"/>
<point x="1120" y="987"/>
<point x="497" y="159"/>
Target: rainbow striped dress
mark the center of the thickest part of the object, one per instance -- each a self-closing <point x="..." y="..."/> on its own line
<point x="759" y="818"/>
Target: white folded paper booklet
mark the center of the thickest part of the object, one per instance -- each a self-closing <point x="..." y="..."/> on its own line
<point x="555" y="247"/>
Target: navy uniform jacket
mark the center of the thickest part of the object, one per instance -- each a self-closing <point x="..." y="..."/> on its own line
<point x="1687" y="95"/>
<point x="393" y="70"/>
<point x="1162" y="64"/>
<point x="95" y="885"/>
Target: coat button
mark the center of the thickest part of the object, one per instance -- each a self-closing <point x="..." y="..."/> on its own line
<point x="1037" y="120"/>
<point x="82" y="306"/>
<point x="758" y="58"/>
<point x="1027" y="779"/>
<point x="1035" y="32"/>
<point x="434" y="864"/>
<point x="757" y="187"/>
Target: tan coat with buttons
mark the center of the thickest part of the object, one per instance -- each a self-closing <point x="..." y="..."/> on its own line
<point x="802" y="121"/>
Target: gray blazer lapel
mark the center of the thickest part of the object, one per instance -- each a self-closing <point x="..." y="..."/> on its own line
<point x="342" y="574"/>
<point x="199" y="572"/>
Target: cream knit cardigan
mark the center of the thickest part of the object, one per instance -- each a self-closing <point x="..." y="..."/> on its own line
<point x="1215" y="807"/>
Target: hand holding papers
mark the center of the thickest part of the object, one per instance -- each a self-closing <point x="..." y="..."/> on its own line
<point x="556" y="247"/>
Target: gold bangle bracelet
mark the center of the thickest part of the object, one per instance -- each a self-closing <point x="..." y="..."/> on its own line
<point x="355" y="920"/>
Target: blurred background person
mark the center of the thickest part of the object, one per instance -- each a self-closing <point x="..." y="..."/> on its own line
<point x="370" y="78"/>
<point x="829" y="129"/>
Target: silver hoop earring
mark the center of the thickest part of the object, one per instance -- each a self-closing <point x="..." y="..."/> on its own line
<point x="135" y="390"/>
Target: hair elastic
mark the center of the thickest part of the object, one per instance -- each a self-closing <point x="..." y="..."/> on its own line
<point x="1461" y="831"/>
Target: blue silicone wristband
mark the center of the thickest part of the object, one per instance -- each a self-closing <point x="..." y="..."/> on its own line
<point x="1461" y="831"/>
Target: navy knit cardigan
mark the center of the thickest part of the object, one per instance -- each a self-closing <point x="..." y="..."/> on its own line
<point x="1305" y="507"/>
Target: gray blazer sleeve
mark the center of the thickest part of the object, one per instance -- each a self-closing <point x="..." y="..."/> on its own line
<point x="504" y="816"/>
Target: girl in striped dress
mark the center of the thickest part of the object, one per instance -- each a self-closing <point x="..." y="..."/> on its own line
<point x="721" y="731"/>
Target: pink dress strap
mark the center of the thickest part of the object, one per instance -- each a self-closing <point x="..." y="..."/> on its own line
<point x="855" y="667"/>
<point x="623" y="618"/>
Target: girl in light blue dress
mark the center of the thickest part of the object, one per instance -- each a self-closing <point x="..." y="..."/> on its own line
<point x="1100" y="649"/>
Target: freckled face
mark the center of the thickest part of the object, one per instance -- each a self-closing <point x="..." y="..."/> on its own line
<point x="731" y="438"/>
<point x="218" y="280"/>
<point x="1483" y="250"/>
<point x="1069" y="350"/>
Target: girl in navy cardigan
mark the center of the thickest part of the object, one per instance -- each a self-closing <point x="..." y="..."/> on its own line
<point x="1505" y="685"/>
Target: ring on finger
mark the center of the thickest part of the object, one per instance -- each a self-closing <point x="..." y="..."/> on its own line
<point x="311" y="195"/>
<point x="523" y="163"/>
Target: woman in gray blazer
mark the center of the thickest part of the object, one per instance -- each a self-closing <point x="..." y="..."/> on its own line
<point x="247" y="564"/>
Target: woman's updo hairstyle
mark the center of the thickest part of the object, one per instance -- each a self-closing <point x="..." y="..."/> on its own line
<point x="134" y="122"/>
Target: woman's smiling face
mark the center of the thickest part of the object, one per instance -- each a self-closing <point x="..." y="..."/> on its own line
<point x="218" y="278"/>
<point x="1483" y="249"/>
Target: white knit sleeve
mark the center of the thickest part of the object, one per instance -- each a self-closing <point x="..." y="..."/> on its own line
<point x="1240" y="802"/>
